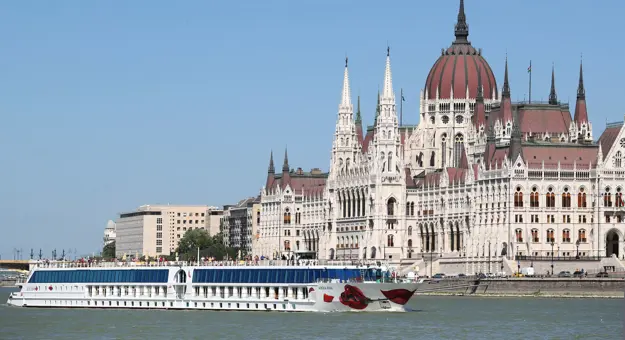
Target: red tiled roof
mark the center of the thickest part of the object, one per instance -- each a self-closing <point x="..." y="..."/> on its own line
<point x="459" y="71"/>
<point x="581" y="112"/>
<point x="305" y="182"/>
<point x="608" y="137"/>
<point x="536" y="120"/>
<point x="368" y="139"/>
<point x="567" y="155"/>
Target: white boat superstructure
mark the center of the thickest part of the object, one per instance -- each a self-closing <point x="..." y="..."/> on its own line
<point x="257" y="286"/>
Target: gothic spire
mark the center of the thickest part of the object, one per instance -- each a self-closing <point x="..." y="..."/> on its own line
<point x="505" y="93"/>
<point x="581" y="92"/>
<point x="285" y="166"/>
<point x="358" y="116"/>
<point x="553" y="98"/>
<point x="461" y="29"/>
<point x="387" y="91"/>
<point x="346" y="99"/>
<point x="581" y="111"/>
<point x="272" y="170"/>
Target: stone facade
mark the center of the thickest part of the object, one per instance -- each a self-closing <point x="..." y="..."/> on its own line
<point x="479" y="179"/>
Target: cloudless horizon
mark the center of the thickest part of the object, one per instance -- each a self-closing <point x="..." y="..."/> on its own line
<point x="109" y="105"/>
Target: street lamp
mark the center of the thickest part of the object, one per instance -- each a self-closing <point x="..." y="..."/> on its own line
<point x="489" y="270"/>
<point x="552" y="256"/>
<point x="577" y="245"/>
<point x="518" y="262"/>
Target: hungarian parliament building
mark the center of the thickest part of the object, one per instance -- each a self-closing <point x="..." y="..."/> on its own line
<point x="480" y="177"/>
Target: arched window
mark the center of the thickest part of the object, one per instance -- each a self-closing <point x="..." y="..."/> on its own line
<point x="550" y="236"/>
<point x="409" y="243"/>
<point x="581" y="235"/>
<point x="287" y="217"/>
<point x="607" y="198"/>
<point x="410" y="231"/>
<point x="535" y="237"/>
<point x="458" y="149"/>
<point x="287" y="245"/>
<point x="390" y="206"/>
<point x="534" y="198"/>
<point x="619" y="198"/>
<point x="390" y="242"/>
<point x="432" y="158"/>
<point x="618" y="159"/>
<point x="390" y="161"/>
<point x="443" y="149"/>
<point x="566" y="235"/>
<point x="411" y="208"/>
<point x="518" y="235"/>
<point x="581" y="198"/>
<point x="518" y="198"/>
<point x="566" y="198"/>
<point x="258" y="217"/>
<point x="551" y="198"/>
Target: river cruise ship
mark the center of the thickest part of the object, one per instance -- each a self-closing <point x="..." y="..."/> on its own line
<point x="248" y="286"/>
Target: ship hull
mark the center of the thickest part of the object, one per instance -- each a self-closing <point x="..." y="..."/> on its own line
<point x="182" y="288"/>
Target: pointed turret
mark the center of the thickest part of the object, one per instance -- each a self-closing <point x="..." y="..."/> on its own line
<point x="479" y="117"/>
<point x="377" y="109"/>
<point x="285" y="165"/>
<point x="490" y="145"/>
<point x="581" y="92"/>
<point x="387" y="128"/>
<point x="286" y="176"/>
<point x="271" y="174"/>
<point x="461" y="29"/>
<point x="515" y="138"/>
<point x="346" y="98"/>
<point x="506" y="102"/>
<point x="581" y="113"/>
<point x="358" y="123"/>
<point x="505" y="92"/>
<point x="553" y="98"/>
<point x="272" y="169"/>
<point x="387" y="91"/>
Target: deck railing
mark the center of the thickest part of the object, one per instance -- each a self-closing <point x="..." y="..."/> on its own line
<point x="268" y="263"/>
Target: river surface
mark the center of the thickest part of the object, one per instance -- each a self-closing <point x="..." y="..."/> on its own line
<point x="431" y="318"/>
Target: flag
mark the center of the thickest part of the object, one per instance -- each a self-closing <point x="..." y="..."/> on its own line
<point x="402" y="98"/>
<point x="529" y="69"/>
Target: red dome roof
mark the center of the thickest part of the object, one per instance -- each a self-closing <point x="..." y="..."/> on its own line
<point x="458" y="66"/>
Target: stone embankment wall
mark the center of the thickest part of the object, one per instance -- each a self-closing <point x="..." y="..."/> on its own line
<point x="599" y="287"/>
<point x="7" y="283"/>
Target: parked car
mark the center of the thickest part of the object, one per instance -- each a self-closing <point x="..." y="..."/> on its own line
<point x="564" y="273"/>
<point x="578" y="273"/>
<point x="602" y="274"/>
<point x="438" y="276"/>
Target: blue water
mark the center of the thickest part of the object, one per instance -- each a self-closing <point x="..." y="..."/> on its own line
<point x="432" y="318"/>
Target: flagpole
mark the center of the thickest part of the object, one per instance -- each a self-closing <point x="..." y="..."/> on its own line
<point x="401" y="107"/>
<point x="530" y="95"/>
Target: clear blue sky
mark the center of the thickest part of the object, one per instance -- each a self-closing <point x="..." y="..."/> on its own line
<point x="108" y="105"/>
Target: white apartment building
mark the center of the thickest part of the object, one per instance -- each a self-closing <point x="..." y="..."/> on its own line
<point x="155" y="230"/>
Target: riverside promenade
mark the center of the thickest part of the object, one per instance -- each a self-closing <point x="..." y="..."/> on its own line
<point x="537" y="287"/>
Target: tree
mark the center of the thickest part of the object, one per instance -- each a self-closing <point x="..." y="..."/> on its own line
<point x="210" y="246"/>
<point x="108" y="252"/>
